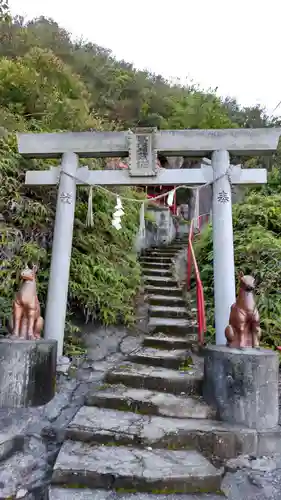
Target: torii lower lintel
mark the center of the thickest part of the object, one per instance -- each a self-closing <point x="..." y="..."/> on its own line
<point x="165" y="177"/>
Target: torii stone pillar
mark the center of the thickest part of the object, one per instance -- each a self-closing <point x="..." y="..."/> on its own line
<point x="61" y="252"/>
<point x="142" y="147"/>
<point x="223" y="250"/>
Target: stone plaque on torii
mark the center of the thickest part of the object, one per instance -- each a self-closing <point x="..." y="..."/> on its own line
<point x="142" y="147"/>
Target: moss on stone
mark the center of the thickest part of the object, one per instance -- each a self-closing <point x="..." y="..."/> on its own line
<point x="74" y="486"/>
<point x="103" y="387"/>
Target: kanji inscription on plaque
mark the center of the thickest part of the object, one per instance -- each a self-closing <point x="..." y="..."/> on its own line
<point x="142" y="152"/>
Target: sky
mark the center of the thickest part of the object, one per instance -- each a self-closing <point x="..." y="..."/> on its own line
<point x="229" y="44"/>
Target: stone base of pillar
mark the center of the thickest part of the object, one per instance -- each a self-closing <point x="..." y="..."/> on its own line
<point x="242" y="385"/>
<point x="27" y="372"/>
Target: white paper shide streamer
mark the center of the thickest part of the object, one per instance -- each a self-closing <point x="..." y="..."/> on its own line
<point x="196" y="209"/>
<point x="142" y="222"/>
<point x="116" y="221"/>
<point x="170" y="198"/>
<point x="90" y="218"/>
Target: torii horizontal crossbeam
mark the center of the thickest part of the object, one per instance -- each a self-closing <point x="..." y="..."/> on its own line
<point x="188" y="142"/>
<point x="165" y="177"/>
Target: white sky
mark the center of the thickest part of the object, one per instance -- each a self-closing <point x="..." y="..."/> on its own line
<point x="230" y="44"/>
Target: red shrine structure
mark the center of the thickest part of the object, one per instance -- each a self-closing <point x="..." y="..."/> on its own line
<point x="151" y="191"/>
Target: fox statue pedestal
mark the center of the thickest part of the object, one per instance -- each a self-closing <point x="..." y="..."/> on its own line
<point x="27" y="362"/>
<point x="242" y="385"/>
<point x="27" y="372"/>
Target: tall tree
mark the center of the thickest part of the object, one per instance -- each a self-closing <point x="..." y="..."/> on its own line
<point x="4" y="11"/>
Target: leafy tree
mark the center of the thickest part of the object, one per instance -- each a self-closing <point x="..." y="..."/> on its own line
<point x="4" y="11"/>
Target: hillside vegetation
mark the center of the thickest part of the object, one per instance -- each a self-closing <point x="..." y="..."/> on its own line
<point x="49" y="82"/>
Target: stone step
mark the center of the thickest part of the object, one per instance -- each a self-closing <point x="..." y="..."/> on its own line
<point x="153" y="264"/>
<point x="160" y="250"/>
<point x="165" y="300"/>
<point x="83" y="465"/>
<point x="172" y="249"/>
<point x="158" y="253"/>
<point x="168" y="311"/>
<point x="172" y="326"/>
<point x="162" y="341"/>
<point x="87" y="494"/>
<point x="160" y="281"/>
<point x="158" y="272"/>
<point x="178" y="248"/>
<point x="173" y="359"/>
<point x="156" y="258"/>
<point x="164" y="251"/>
<point x="110" y="427"/>
<point x="120" y="397"/>
<point x="163" y="290"/>
<point x="166" y="248"/>
<point x="135" y="375"/>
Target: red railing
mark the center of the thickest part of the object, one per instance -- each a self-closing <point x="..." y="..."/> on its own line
<point x="202" y="219"/>
<point x="191" y="261"/>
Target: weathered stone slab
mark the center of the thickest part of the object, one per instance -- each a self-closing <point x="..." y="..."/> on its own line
<point x="269" y="441"/>
<point x="110" y="467"/>
<point x="157" y="272"/>
<point x="160" y="280"/>
<point x="172" y="326"/>
<point x="78" y="494"/>
<point x="163" y="290"/>
<point x="10" y="443"/>
<point x="165" y="311"/>
<point x="164" y="259"/>
<point x="242" y="385"/>
<point x="252" y="485"/>
<point x="23" y="470"/>
<point x="172" y="359"/>
<point x="261" y="464"/>
<point x="119" y="397"/>
<point x="156" y="378"/>
<point x="86" y="494"/>
<point x="165" y="300"/>
<point x="99" y="425"/>
<point x="162" y="341"/>
<point x="159" y="256"/>
<point x="162" y="252"/>
<point x="27" y="372"/>
<point x="155" y="265"/>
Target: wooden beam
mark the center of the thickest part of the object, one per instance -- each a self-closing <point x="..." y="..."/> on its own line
<point x="167" y="142"/>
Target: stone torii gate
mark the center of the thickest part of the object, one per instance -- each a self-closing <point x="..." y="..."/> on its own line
<point x="142" y="146"/>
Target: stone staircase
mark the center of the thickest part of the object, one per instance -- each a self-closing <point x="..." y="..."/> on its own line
<point x="148" y="429"/>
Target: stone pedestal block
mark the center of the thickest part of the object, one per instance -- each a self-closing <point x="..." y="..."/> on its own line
<point x="242" y="385"/>
<point x="27" y="372"/>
